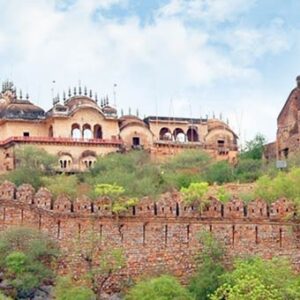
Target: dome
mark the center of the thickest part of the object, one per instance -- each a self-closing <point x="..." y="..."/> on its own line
<point x="22" y="109"/>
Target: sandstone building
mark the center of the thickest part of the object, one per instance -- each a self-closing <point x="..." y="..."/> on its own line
<point x="79" y="129"/>
<point x="288" y="128"/>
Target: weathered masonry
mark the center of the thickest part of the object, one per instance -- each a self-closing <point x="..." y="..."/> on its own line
<point x="78" y="129"/>
<point x="156" y="237"/>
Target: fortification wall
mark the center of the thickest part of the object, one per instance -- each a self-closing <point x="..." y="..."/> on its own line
<point x="156" y="237"/>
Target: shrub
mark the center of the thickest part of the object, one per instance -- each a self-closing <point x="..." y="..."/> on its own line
<point x="25" y="258"/>
<point x="65" y="289"/>
<point x="164" y="287"/>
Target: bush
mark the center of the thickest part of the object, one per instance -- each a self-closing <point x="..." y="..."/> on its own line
<point x="209" y="267"/>
<point x="255" y="279"/>
<point x="65" y="289"/>
<point x="25" y="258"/>
<point x="248" y="170"/>
<point x="164" y="287"/>
<point x="219" y="172"/>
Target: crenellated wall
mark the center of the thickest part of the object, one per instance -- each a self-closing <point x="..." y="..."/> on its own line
<point x="156" y="236"/>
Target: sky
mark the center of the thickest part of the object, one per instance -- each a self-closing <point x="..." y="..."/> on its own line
<point x="233" y="59"/>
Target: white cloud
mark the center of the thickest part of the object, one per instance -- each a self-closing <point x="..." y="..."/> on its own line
<point x="206" y="10"/>
<point x="150" y="64"/>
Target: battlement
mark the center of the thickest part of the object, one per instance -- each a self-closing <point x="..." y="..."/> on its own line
<point x="169" y="205"/>
<point x="156" y="236"/>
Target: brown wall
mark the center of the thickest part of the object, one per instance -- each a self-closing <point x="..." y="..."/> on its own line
<point x="156" y="238"/>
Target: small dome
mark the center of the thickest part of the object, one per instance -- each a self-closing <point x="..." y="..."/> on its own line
<point x="22" y="109"/>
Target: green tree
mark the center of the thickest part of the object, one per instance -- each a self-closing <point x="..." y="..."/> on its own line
<point x="62" y="185"/>
<point x="219" y="172"/>
<point x="25" y="258"/>
<point x="255" y="148"/>
<point x="248" y="169"/>
<point x="163" y="288"/>
<point x="209" y="267"/>
<point x="185" y="168"/>
<point x="119" y="202"/>
<point x="101" y="263"/>
<point x="134" y="170"/>
<point x="65" y="289"/>
<point x="30" y="157"/>
<point x="31" y="164"/>
<point x="194" y="192"/>
<point x="258" y="279"/>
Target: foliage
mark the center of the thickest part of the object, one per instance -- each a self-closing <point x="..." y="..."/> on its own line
<point x="185" y="168"/>
<point x="65" y="289"/>
<point x="3" y="297"/>
<point x="163" y="288"/>
<point x="254" y="149"/>
<point x="258" y="279"/>
<point x="219" y="172"/>
<point x="209" y="267"/>
<point x="119" y="202"/>
<point x="195" y="191"/>
<point x="133" y="170"/>
<point x="32" y="163"/>
<point x="25" y="258"/>
<point x="30" y="157"/>
<point x="62" y="184"/>
<point x="223" y="195"/>
<point x="248" y="169"/>
<point x="101" y="264"/>
<point x="283" y="185"/>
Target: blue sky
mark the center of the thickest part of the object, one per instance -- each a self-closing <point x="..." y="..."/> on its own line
<point x="237" y="58"/>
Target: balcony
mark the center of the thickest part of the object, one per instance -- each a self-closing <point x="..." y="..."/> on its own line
<point x="61" y="140"/>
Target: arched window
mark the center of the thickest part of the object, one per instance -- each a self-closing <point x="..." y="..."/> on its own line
<point x="179" y="135"/>
<point x="192" y="135"/>
<point x="75" y="131"/>
<point x="165" y="134"/>
<point x="97" y="132"/>
<point x="87" y="132"/>
<point x="65" y="161"/>
<point x="51" y="131"/>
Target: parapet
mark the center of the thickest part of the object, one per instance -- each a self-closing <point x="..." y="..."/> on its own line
<point x="169" y="205"/>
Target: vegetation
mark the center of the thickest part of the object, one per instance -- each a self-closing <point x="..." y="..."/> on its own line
<point x="26" y="257"/>
<point x="119" y="202"/>
<point x="65" y="289"/>
<point x="209" y="267"/>
<point x="32" y="163"/>
<point x="258" y="279"/>
<point x="164" y="287"/>
<point x="101" y="264"/>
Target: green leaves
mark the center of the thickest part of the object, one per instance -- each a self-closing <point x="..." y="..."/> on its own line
<point x="258" y="279"/>
<point x="66" y="290"/>
<point x="25" y="257"/>
<point x="119" y="202"/>
<point x="161" y="288"/>
<point x="194" y="192"/>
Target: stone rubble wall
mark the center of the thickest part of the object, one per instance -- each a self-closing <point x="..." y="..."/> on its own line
<point x="157" y="237"/>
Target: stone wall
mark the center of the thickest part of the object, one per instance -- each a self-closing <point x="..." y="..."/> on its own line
<point x="157" y="237"/>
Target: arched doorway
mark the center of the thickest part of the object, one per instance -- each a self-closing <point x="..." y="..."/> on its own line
<point x="179" y="135"/>
<point x="50" y="133"/>
<point x="192" y="135"/>
<point x="165" y="134"/>
<point x="87" y="132"/>
<point x="98" y="132"/>
<point x="75" y="131"/>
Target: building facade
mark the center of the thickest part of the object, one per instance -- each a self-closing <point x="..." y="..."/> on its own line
<point x="288" y="128"/>
<point x="78" y="130"/>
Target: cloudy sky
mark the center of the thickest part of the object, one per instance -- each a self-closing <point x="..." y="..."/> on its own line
<point x="237" y="58"/>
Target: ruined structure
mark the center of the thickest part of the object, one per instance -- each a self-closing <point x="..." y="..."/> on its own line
<point x="160" y="236"/>
<point x="78" y="129"/>
<point x="288" y="128"/>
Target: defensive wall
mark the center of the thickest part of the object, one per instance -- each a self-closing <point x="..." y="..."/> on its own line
<point x="159" y="236"/>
